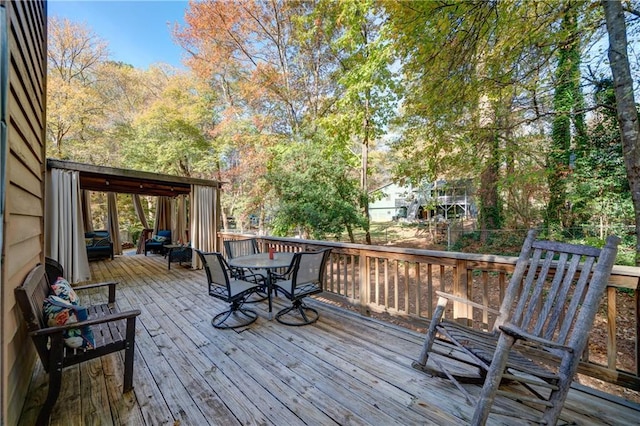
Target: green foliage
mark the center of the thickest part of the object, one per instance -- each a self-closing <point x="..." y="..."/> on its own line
<point x="317" y="194"/>
<point x="601" y="195"/>
<point x="568" y="103"/>
<point x="169" y="136"/>
<point x="294" y="104"/>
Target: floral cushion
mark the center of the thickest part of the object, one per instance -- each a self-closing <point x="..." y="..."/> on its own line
<point x="58" y="311"/>
<point x="88" y="241"/>
<point x="63" y="290"/>
<point x="159" y="239"/>
<point x="62" y="307"/>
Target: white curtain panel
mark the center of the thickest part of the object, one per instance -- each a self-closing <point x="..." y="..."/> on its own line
<point x="163" y="214"/>
<point x="86" y="211"/>
<point x="137" y="205"/>
<point x="203" y="221"/>
<point x="112" y="225"/>
<point x="64" y="225"/>
<point x="179" y="228"/>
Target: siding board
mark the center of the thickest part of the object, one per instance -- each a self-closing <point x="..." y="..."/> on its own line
<point x="24" y="203"/>
<point x="33" y="25"/>
<point x="24" y="193"/>
<point x="20" y="59"/>
<point x="23" y="228"/>
<point x="21" y="176"/>
<point x="23" y="256"/>
<point x="29" y="159"/>
<point x="20" y="97"/>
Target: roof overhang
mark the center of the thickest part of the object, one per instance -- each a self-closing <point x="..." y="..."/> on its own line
<point x="110" y="179"/>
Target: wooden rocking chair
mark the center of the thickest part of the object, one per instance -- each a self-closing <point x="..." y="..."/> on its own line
<point x="540" y="332"/>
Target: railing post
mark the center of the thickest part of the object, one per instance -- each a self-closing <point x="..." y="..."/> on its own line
<point x="364" y="275"/>
<point x="461" y="289"/>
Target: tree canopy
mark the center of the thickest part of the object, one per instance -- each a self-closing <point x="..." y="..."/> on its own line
<point x="303" y="108"/>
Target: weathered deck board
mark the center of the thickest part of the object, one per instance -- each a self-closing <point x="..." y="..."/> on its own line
<point x="345" y="369"/>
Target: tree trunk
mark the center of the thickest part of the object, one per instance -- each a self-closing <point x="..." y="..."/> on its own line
<point x="625" y="104"/>
<point x="567" y="105"/>
<point x="364" y="184"/>
<point x="490" y="214"/>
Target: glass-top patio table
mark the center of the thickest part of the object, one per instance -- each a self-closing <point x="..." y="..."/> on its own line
<point x="263" y="261"/>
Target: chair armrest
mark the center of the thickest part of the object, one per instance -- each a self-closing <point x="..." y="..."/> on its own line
<point x="466" y="301"/>
<point x="241" y="273"/>
<point x="107" y="318"/>
<point x="286" y="275"/>
<point x="105" y="242"/>
<point x="111" y="284"/>
<point x="518" y="333"/>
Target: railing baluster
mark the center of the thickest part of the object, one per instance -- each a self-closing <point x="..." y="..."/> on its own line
<point x="485" y="297"/>
<point x="386" y="284"/>
<point x="429" y="291"/>
<point x="377" y="281"/>
<point x="612" y="346"/>
<point x="395" y="284"/>
<point x="418" y="286"/>
<point x="406" y="287"/>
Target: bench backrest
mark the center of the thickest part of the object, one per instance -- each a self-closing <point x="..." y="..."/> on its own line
<point x="30" y="297"/>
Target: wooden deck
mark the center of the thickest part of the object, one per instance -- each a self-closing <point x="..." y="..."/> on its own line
<point x="344" y="369"/>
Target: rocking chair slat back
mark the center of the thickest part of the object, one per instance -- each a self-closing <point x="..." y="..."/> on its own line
<point x="553" y="290"/>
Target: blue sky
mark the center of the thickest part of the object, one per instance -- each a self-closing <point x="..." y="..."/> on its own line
<point x="138" y="32"/>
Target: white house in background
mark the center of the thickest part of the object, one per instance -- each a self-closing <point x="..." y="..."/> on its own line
<point x="392" y="204"/>
<point x="437" y="200"/>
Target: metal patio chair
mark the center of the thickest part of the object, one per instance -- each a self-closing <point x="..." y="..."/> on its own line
<point x="238" y="248"/>
<point x="304" y="277"/>
<point x="232" y="290"/>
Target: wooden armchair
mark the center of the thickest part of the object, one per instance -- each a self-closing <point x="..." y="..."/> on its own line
<point x="113" y="331"/>
<point x="540" y="331"/>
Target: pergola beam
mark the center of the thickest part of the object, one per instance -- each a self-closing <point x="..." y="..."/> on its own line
<point x="126" y="181"/>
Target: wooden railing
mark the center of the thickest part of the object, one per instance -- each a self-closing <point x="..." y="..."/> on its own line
<point x="402" y="282"/>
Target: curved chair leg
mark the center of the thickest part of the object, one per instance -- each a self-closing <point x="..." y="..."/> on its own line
<point x="219" y="320"/>
<point x="307" y="314"/>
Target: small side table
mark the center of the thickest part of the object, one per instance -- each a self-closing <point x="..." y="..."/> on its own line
<point x="177" y="253"/>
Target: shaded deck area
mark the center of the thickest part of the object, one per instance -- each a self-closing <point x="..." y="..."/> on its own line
<point x="344" y="369"/>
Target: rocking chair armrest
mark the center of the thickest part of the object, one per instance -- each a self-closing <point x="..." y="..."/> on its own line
<point x="454" y="298"/>
<point x="107" y="318"/>
<point x="519" y="334"/>
<point x="111" y="284"/>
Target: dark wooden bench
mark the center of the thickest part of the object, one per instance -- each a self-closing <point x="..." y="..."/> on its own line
<point x="113" y="331"/>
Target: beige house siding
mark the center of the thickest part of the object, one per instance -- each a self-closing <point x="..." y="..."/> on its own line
<point x="23" y="222"/>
